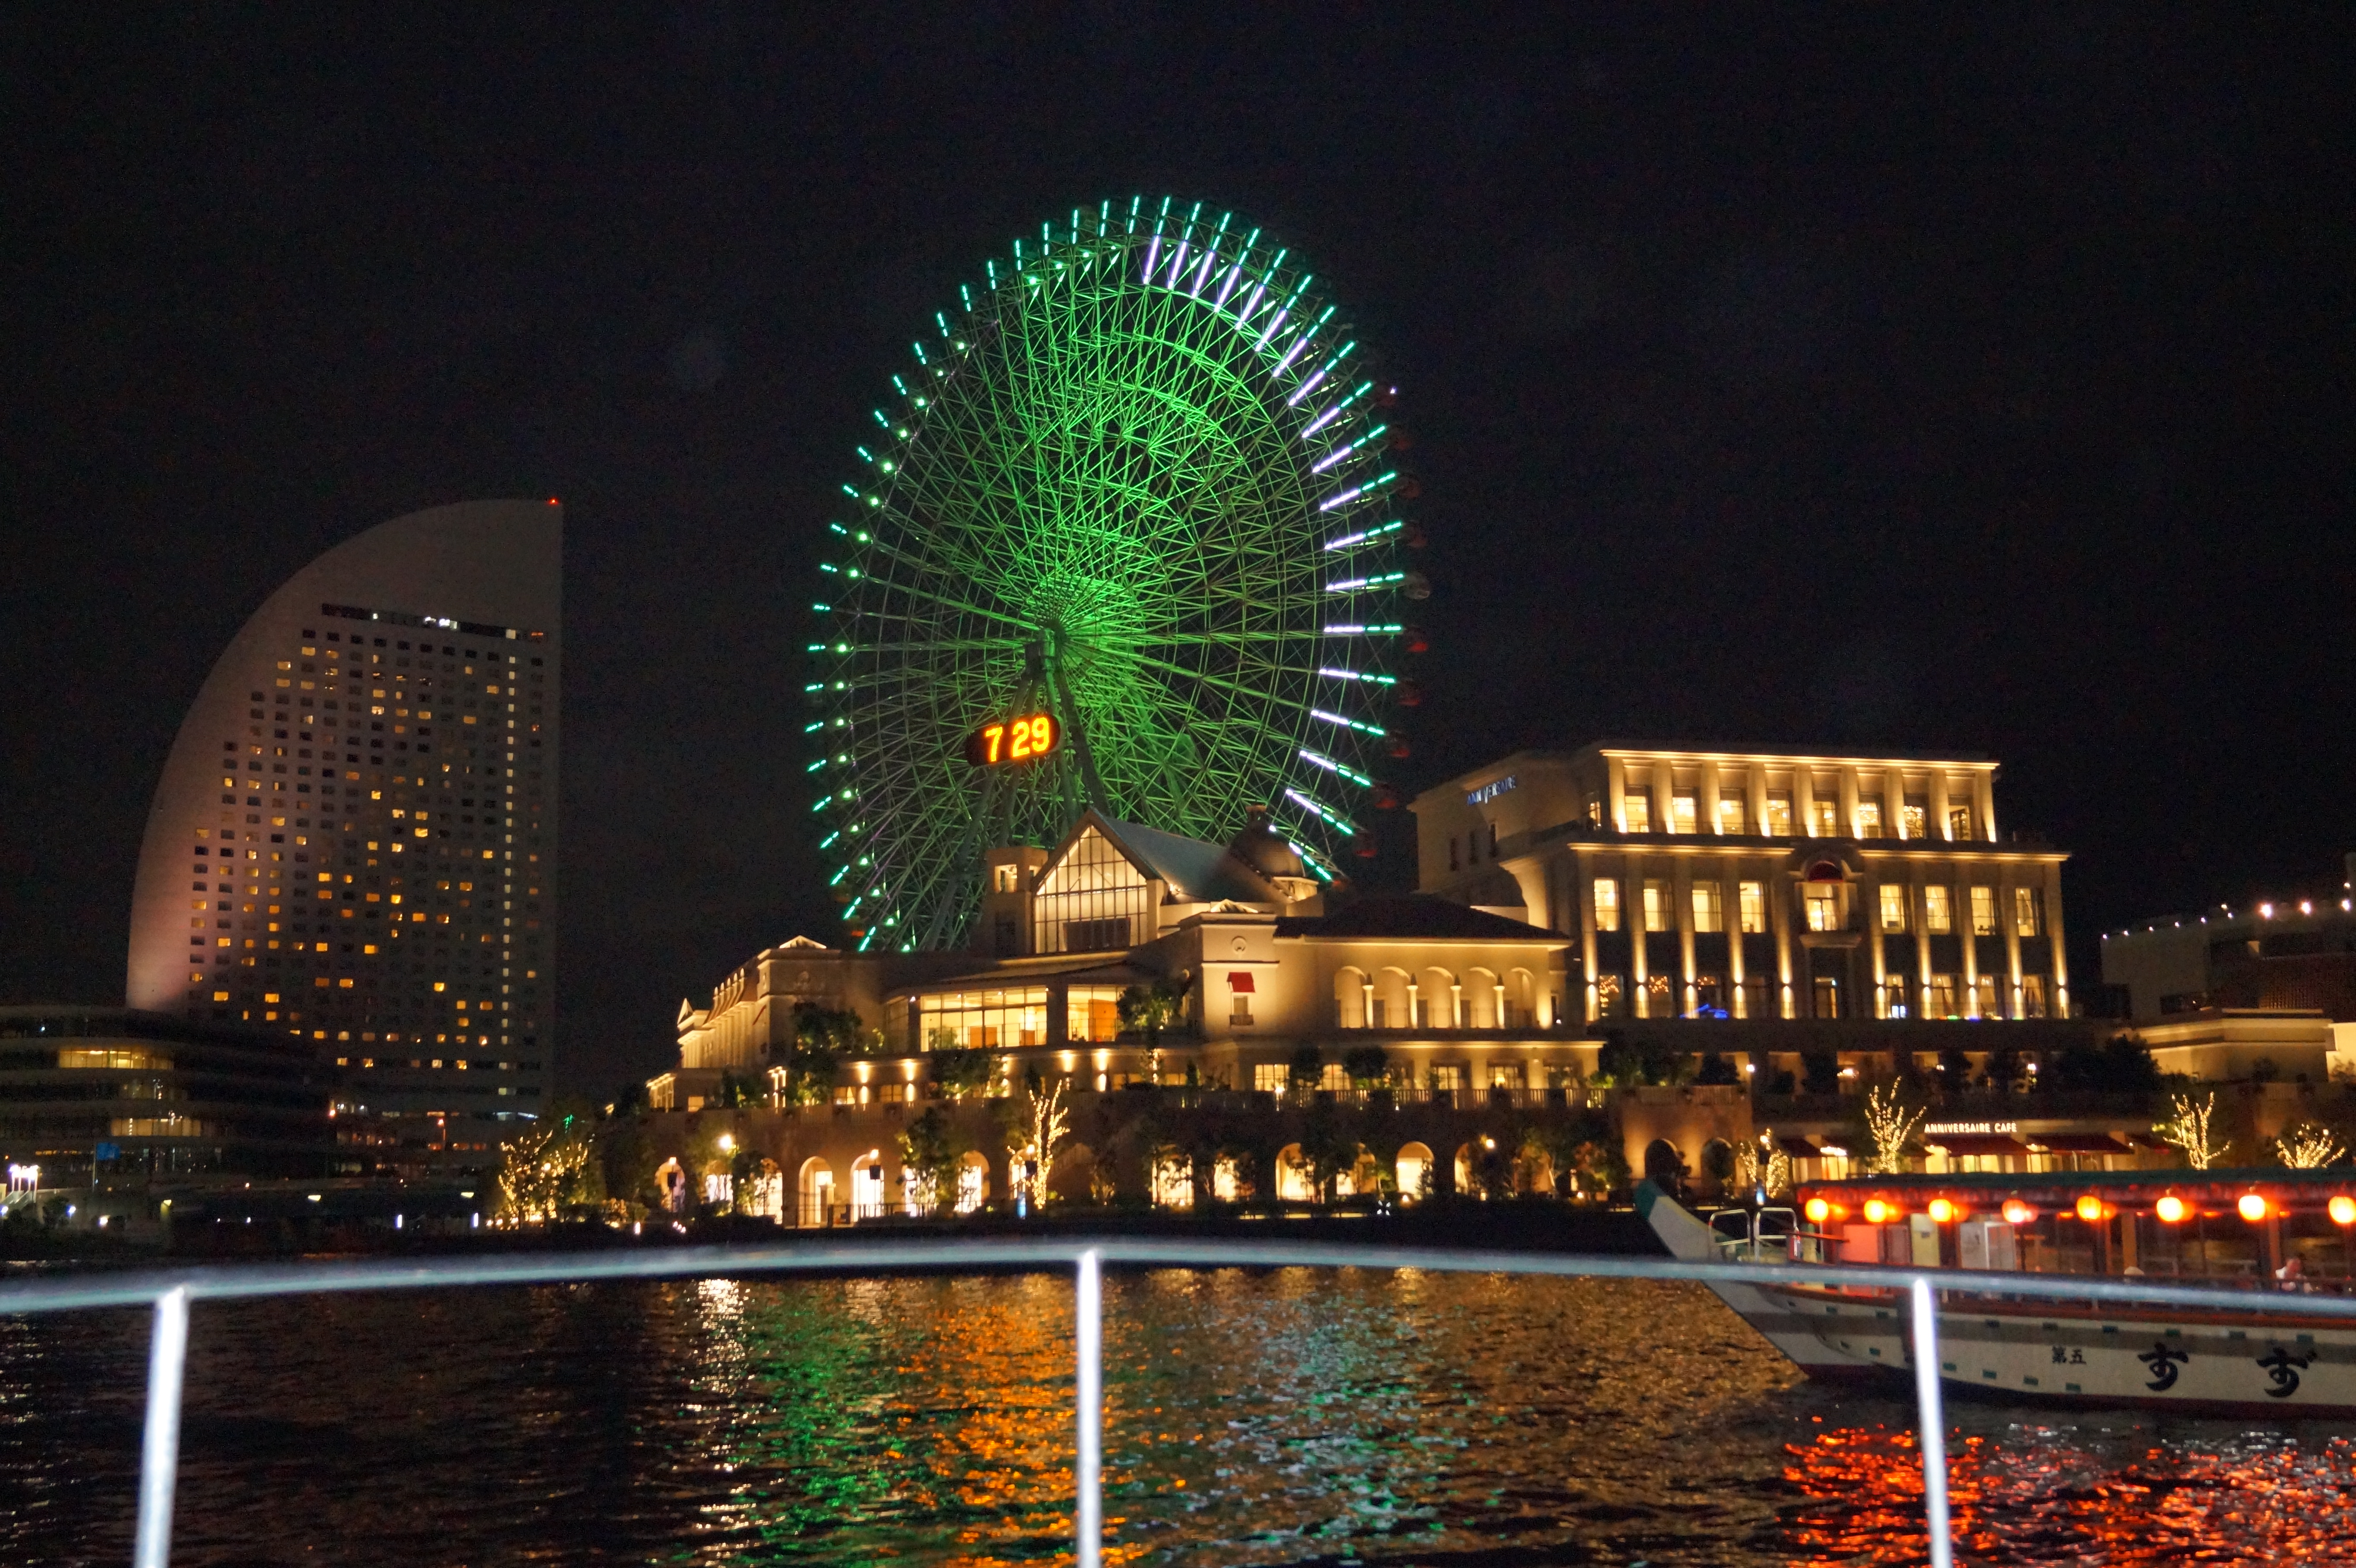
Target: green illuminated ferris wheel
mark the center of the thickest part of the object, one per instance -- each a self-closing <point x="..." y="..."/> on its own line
<point x="1129" y="536"/>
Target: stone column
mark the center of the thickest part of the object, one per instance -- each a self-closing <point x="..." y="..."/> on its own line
<point x="2050" y="890"/>
<point x="2005" y="917"/>
<point x="1731" y="884"/>
<point x="1664" y="795"/>
<point x="1918" y="908"/>
<point x="1631" y="920"/>
<point x="1615" y="793"/>
<point x="1804" y="800"/>
<point x="1935" y="797"/>
<point x="1705" y="795"/>
<point x="1757" y="783"/>
<point x="1848" y="800"/>
<point x="1894" y="803"/>
<point x="1970" y="942"/>
<point x="1681" y="889"/>
<point x="1778" y="920"/>
<point x="1585" y="896"/>
<point x="1868" y="889"/>
<point x="1984" y="804"/>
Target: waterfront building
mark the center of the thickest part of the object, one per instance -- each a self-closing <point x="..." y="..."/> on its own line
<point x="354" y="842"/>
<point x="2296" y="952"/>
<point x="1753" y="884"/>
<point x="116" y="1095"/>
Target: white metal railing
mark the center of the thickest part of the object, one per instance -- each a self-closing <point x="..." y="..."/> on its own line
<point x="170" y="1295"/>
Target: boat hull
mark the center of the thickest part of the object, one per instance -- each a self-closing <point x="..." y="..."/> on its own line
<point x="2193" y="1362"/>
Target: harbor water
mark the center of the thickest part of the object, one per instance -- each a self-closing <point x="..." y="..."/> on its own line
<point x="1283" y="1416"/>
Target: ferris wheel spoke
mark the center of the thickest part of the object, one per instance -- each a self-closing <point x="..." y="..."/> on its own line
<point x="1124" y="453"/>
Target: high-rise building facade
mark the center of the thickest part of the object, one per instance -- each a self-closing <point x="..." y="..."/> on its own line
<point x="355" y="836"/>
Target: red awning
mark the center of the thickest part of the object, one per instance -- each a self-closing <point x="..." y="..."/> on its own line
<point x="1241" y="980"/>
<point x="1972" y="1144"/>
<point x="2076" y="1143"/>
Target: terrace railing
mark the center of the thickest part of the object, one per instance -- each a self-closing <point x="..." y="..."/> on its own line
<point x="170" y="1295"/>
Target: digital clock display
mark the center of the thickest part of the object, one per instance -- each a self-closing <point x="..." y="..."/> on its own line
<point x="1013" y="740"/>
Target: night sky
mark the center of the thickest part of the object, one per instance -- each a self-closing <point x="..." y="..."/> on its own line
<point x="1953" y="379"/>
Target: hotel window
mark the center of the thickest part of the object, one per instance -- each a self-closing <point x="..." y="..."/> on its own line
<point x="1989" y="1007"/>
<point x="1938" y="917"/>
<point x="2032" y="996"/>
<point x="1823" y="905"/>
<point x="1752" y="898"/>
<point x="1636" y="810"/>
<point x="1657" y="1002"/>
<point x="1607" y="904"/>
<point x="1611" y="996"/>
<point x="1869" y="817"/>
<point x="1912" y="818"/>
<point x="1684" y="817"/>
<point x="1826" y="816"/>
<point x="991" y="1019"/>
<point x="1708" y="908"/>
<point x="1447" y="1079"/>
<point x="1730" y="817"/>
<point x="1893" y="996"/>
<point x="1092" y="1013"/>
<point x="2024" y="912"/>
<point x="1709" y="996"/>
<point x="1002" y="878"/>
<point x="1779" y="816"/>
<point x="1271" y="1077"/>
<point x="1656" y="906"/>
<point x="1983" y="911"/>
<point x="1944" y="993"/>
<point x="1959" y="822"/>
<point x="1893" y="908"/>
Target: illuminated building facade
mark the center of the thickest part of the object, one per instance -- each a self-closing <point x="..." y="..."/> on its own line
<point x="1720" y="883"/>
<point x="354" y="842"/>
<point x="144" y="1096"/>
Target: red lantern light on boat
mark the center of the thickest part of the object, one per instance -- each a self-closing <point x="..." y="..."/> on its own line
<point x="2015" y="1212"/>
<point x="2252" y="1206"/>
<point x="1818" y="1210"/>
<point x="2090" y="1208"/>
<point x="2342" y="1210"/>
<point x="1943" y="1212"/>
<point x="1876" y="1212"/>
<point x="2171" y="1210"/>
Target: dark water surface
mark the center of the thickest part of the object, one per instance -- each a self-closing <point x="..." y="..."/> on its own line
<point x="1285" y="1417"/>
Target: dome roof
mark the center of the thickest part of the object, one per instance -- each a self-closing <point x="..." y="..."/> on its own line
<point x="1264" y="850"/>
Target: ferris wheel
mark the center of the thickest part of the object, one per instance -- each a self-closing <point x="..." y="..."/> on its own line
<point x="1128" y="535"/>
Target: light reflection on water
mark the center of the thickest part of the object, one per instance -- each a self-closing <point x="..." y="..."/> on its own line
<point x="1282" y="1417"/>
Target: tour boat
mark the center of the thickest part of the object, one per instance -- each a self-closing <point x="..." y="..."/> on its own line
<point x="2278" y="1230"/>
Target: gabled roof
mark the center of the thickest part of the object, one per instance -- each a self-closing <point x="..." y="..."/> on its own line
<point x="1194" y="870"/>
<point x="1415" y="917"/>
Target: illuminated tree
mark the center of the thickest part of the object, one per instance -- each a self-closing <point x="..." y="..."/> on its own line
<point x="546" y="1168"/>
<point x="1042" y="1125"/>
<point x="2308" y="1147"/>
<point x="932" y="1153"/>
<point x="2189" y="1129"/>
<point x="1891" y="1126"/>
<point x="1140" y="477"/>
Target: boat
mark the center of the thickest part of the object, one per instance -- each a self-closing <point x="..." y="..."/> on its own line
<point x="2277" y="1230"/>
